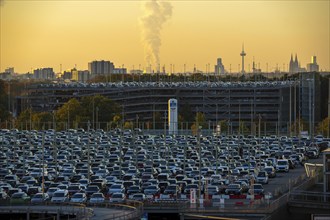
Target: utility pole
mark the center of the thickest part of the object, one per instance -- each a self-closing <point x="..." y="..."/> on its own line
<point x="88" y="154"/>
<point x="200" y="160"/>
<point x="43" y="162"/>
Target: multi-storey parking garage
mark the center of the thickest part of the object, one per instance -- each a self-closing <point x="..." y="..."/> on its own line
<point x="255" y="104"/>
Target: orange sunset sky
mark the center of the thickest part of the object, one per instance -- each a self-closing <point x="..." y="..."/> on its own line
<point x="48" y="33"/>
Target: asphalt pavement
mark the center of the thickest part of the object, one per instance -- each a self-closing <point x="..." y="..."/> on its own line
<point x="283" y="181"/>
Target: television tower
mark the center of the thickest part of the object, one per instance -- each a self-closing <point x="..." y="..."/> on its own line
<point x="243" y="54"/>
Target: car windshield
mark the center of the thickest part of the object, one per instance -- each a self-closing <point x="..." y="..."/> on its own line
<point x="98" y="195"/>
<point x="262" y="174"/>
<point x="117" y="196"/>
<point x="78" y="195"/>
<point x="59" y="194"/>
<point x="38" y="196"/>
<point x="17" y="196"/>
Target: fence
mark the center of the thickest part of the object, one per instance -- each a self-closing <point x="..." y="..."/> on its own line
<point x="130" y="209"/>
<point x="314" y="197"/>
<point x="209" y="127"/>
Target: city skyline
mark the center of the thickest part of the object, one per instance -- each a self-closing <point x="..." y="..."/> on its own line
<point x="38" y="34"/>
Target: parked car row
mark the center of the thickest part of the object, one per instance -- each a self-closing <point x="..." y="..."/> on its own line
<point x="96" y="166"/>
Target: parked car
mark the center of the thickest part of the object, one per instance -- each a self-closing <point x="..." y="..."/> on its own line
<point x="282" y="165"/>
<point x="133" y="189"/>
<point x="92" y="189"/>
<point x="40" y="198"/>
<point x="4" y="196"/>
<point x="117" y="198"/>
<point x="262" y="177"/>
<point x="60" y="196"/>
<point x="116" y="188"/>
<point x="97" y="198"/>
<point x="233" y="189"/>
<point x="51" y="191"/>
<point x="270" y="171"/>
<point x="19" y="198"/>
<point x="79" y="198"/>
<point x="256" y="189"/>
<point x="139" y="197"/>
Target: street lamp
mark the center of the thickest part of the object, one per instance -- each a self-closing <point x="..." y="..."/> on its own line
<point x="88" y="154"/>
<point x="200" y="161"/>
<point x="68" y="126"/>
<point x="97" y="117"/>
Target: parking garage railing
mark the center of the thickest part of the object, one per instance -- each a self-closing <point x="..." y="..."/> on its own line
<point x="131" y="209"/>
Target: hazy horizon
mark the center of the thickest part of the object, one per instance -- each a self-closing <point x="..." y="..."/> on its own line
<point x="38" y="34"/>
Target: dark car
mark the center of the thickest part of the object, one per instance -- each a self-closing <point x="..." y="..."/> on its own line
<point x="19" y="197"/>
<point x="92" y="189"/>
<point x="4" y="196"/>
<point x="256" y="189"/>
<point x="72" y="189"/>
<point x="133" y="189"/>
<point x="152" y="190"/>
<point x="33" y="190"/>
<point x="271" y="171"/>
<point x="40" y="198"/>
<point x="291" y="164"/>
<point x="172" y="189"/>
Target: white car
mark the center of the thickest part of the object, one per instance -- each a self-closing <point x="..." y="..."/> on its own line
<point x="79" y="198"/>
<point x="97" y="198"/>
<point x="60" y="196"/>
<point x="282" y="166"/>
<point x="262" y="177"/>
<point x="117" y="198"/>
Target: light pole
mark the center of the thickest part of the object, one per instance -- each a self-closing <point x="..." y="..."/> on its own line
<point x="200" y="162"/>
<point x="97" y="117"/>
<point x="88" y="154"/>
<point x="43" y="162"/>
<point x="54" y="126"/>
<point x="166" y="151"/>
<point x="137" y="121"/>
<point x="68" y="116"/>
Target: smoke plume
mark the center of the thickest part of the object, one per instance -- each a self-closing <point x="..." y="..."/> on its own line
<point x="156" y="13"/>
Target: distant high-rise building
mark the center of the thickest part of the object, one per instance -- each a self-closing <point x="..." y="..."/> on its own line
<point x="10" y="70"/>
<point x="101" y="67"/>
<point x="44" y="73"/>
<point x="119" y="70"/>
<point x="313" y="66"/>
<point x="219" y="68"/>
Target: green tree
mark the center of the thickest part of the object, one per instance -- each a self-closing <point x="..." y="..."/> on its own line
<point x="24" y="120"/>
<point x="4" y="113"/>
<point x="116" y="121"/>
<point x="299" y="125"/>
<point x="69" y="114"/>
<point x="159" y="123"/>
<point x="323" y="127"/>
<point x="200" y="122"/>
<point x="103" y="108"/>
<point x="223" y="126"/>
<point x="185" y="114"/>
<point x="128" y="125"/>
<point x="243" y="128"/>
<point x="42" y="120"/>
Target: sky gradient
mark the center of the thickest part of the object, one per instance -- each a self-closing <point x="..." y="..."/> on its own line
<point x="38" y="34"/>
